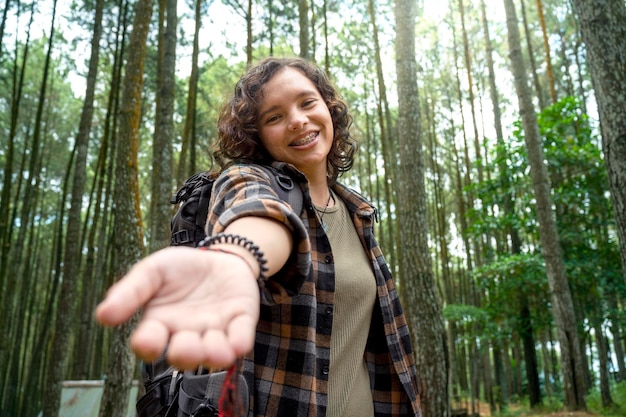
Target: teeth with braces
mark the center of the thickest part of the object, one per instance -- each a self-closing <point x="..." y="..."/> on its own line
<point x="305" y="140"/>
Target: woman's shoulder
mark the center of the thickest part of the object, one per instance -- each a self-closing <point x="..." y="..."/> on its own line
<point x="355" y="201"/>
<point x="242" y="173"/>
<point x="258" y="168"/>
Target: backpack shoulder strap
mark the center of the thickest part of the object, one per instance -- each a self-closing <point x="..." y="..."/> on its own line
<point x="285" y="187"/>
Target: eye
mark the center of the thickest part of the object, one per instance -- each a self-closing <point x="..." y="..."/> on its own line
<point x="308" y="102"/>
<point x="271" y="119"/>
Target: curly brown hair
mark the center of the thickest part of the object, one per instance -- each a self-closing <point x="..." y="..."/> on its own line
<point x="238" y="121"/>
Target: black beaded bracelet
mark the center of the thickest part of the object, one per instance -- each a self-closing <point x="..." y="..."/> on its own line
<point x="244" y="243"/>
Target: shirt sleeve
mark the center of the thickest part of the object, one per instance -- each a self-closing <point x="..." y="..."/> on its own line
<point x="246" y="190"/>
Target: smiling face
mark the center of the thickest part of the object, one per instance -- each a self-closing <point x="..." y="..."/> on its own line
<point x="294" y="122"/>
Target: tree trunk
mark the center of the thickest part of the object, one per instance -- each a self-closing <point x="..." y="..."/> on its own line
<point x="509" y="374"/>
<point x="548" y="55"/>
<point x="57" y="360"/>
<point x="533" y="379"/>
<point x="163" y="138"/>
<point x="603" y="354"/>
<point x="617" y="336"/>
<point x="424" y="306"/>
<point x="604" y="33"/>
<point x="487" y="377"/>
<point x="7" y="3"/>
<point x="470" y="84"/>
<point x="65" y="314"/>
<point x="248" y="16"/>
<point x="128" y="239"/>
<point x="326" y="43"/>
<point x="462" y="355"/>
<point x="97" y="234"/>
<point x="530" y="351"/>
<point x="531" y="57"/>
<point x="562" y="305"/>
<point x="8" y="281"/>
<point x="501" y="393"/>
<point x="73" y="247"/>
<point x="305" y="38"/>
<point x="517" y="356"/>
<point x="461" y="180"/>
<point x="186" y="169"/>
<point x="386" y="140"/>
<point x="545" y="362"/>
<point x="493" y="89"/>
<point x="270" y="26"/>
<point x="442" y="232"/>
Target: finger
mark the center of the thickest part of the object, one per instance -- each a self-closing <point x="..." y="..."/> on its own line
<point x="241" y="333"/>
<point x="149" y="339"/>
<point x="185" y="350"/>
<point x="217" y="350"/>
<point x="131" y="292"/>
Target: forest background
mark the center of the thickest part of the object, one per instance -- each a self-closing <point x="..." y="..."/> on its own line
<point x="492" y="142"/>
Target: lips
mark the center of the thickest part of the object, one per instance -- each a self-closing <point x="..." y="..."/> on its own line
<point x="305" y="140"/>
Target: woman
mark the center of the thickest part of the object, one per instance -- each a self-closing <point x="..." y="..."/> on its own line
<point x="306" y="297"/>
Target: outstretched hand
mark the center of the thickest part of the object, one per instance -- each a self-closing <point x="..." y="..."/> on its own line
<point x="202" y="305"/>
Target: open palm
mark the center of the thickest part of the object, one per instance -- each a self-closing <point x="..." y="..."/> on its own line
<point x="202" y="305"/>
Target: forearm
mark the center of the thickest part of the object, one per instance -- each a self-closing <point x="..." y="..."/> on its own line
<point x="273" y="239"/>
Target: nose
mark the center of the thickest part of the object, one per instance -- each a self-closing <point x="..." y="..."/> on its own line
<point x="297" y="120"/>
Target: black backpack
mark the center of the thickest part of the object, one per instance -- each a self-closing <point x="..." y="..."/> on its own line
<point x="169" y="392"/>
<point x="189" y="221"/>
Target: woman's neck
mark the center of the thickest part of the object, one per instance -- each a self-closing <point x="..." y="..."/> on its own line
<point x="318" y="183"/>
<point x="320" y="192"/>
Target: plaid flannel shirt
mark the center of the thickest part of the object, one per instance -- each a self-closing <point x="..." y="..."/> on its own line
<point x="287" y="371"/>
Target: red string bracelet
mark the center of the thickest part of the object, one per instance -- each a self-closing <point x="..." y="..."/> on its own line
<point x="229" y="253"/>
<point x="240" y="241"/>
<point x="229" y="403"/>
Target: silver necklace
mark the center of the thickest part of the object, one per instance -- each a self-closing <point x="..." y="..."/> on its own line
<point x="322" y="212"/>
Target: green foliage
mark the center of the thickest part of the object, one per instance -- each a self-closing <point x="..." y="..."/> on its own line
<point x="618" y="394"/>
<point x="509" y="192"/>
<point x="583" y="209"/>
<point x="215" y="85"/>
<point x="583" y="212"/>
<point x="468" y="315"/>
<point x="59" y="120"/>
<point x="579" y="184"/>
<point x="506" y="279"/>
<point x="465" y="314"/>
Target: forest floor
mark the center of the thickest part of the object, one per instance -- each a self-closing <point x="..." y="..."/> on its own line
<point x="484" y="411"/>
<point x="562" y="414"/>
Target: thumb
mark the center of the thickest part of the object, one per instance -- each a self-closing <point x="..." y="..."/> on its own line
<point x="135" y="289"/>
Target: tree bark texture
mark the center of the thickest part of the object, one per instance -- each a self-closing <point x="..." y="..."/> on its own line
<point x="186" y="163"/>
<point x="7" y="280"/>
<point x="548" y="55"/>
<point x="531" y="57"/>
<point x="3" y="22"/>
<point x="424" y="306"/>
<point x="163" y="137"/>
<point x="248" y="16"/>
<point x="128" y="239"/>
<point x="73" y="247"/>
<point x="604" y="33"/>
<point x="603" y="355"/>
<point x="572" y="364"/>
<point x="305" y="38"/>
<point x="386" y="140"/>
<point x="470" y="84"/>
